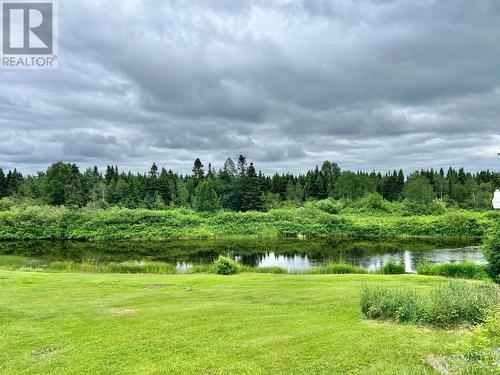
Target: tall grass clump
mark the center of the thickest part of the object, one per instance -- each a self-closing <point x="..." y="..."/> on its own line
<point x="392" y="268"/>
<point x="400" y="305"/>
<point x="14" y="262"/>
<point x="448" y="305"/>
<point x="457" y="303"/>
<point x="140" y="267"/>
<point x="271" y="269"/>
<point x="337" y="268"/>
<point x="224" y="266"/>
<point x="111" y="267"/>
<point x="462" y="270"/>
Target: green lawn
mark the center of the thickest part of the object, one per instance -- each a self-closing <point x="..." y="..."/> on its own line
<point x="205" y="324"/>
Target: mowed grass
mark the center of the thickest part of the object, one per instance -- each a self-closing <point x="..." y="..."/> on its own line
<point x="52" y="323"/>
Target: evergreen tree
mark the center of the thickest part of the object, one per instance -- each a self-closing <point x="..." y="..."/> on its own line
<point x="153" y="172"/>
<point x="75" y="194"/>
<point x="14" y="181"/>
<point x="242" y="166"/>
<point x="198" y="172"/>
<point x="251" y="199"/>
<point x="211" y="171"/>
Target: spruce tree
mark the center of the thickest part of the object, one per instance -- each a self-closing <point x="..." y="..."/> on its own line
<point x="242" y="166"/>
<point x="198" y="172"/>
<point x="251" y="199"/>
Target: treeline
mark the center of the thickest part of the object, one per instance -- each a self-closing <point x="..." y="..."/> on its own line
<point x="238" y="186"/>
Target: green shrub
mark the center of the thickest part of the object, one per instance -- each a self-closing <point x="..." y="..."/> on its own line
<point x="392" y="268"/>
<point x="436" y="207"/>
<point x="337" y="268"/>
<point x="492" y="254"/>
<point x="375" y="201"/>
<point x="6" y="203"/>
<point x="329" y="205"/>
<point x="224" y="266"/>
<point x="448" y="305"/>
<point x="463" y="270"/>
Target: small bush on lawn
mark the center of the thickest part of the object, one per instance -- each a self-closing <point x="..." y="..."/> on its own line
<point x="224" y="266"/>
<point x="463" y="270"/>
<point x="392" y="268"/>
<point x="337" y="268"/>
<point x="448" y="305"/>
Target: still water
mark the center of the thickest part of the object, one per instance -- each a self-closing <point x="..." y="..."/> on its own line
<point x="294" y="255"/>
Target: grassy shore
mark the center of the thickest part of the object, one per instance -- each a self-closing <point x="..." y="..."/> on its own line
<point x="206" y="324"/>
<point x="116" y="224"/>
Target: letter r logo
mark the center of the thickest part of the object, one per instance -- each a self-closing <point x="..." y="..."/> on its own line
<point x="27" y="28"/>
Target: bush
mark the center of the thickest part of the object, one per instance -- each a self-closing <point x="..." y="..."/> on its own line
<point x="492" y="254"/>
<point x="330" y="206"/>
<point x="464" y="270"/>
<point x="448" y="305"/>
<point x="337" y="268"/>
<point x="436" y="207"/>
<point x="6" y="203"/>
<point x="224" y="266"/>
<point x="375" y="201"/>
<point x="392" y="268"/>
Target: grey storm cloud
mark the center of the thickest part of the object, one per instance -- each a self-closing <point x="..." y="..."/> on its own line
<point x="369" y="84"/>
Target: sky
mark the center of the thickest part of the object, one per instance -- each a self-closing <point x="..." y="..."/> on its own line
<point x="375" y="84"/>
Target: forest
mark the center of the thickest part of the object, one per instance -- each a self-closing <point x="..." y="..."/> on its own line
<point x="239" y="186"/>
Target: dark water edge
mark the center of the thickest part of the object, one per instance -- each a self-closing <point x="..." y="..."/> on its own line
<point x="291" y="254"/>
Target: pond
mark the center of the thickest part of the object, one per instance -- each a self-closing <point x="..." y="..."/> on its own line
<point x="292" y="254"/>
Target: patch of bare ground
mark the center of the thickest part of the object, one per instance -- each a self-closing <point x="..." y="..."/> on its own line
<point x="122" y="311"/>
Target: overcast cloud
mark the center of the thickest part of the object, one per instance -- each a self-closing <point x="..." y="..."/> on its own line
<point x="369" y="84"/>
